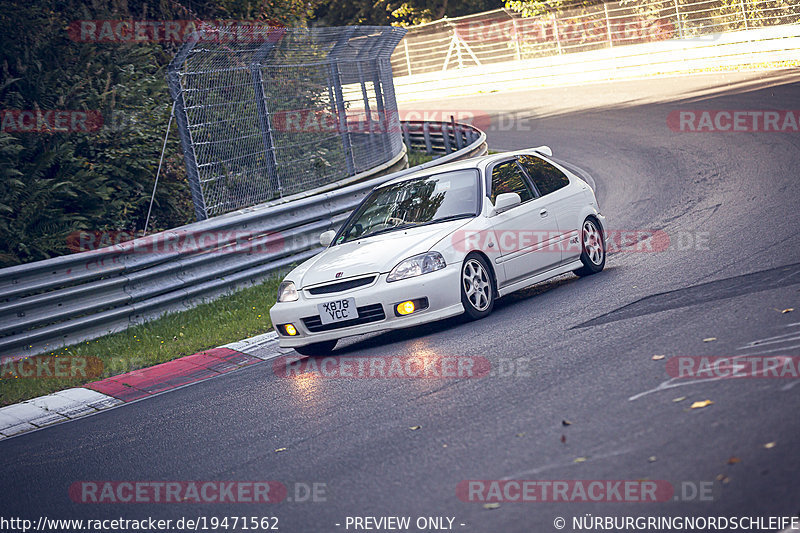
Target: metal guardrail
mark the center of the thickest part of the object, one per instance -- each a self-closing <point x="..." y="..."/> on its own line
<point x="56" y="302"/>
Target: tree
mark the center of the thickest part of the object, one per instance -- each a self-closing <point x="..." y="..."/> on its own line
<point x="396" y="13"/>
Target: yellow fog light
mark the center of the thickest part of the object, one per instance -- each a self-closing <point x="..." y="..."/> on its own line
<point x="290" y="329"/>
<point x="406" y="308"/>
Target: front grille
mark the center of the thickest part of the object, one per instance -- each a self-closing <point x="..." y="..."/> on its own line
<point x="366" y="314"/>
<point x="342" y="285"/>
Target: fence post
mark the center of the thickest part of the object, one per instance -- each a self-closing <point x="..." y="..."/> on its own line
<point x="367" y="111"/>
<point x="265" y="124"/>
<point x="608" y="26"/>
<point x="341" y="112"/>
<point x="515" y="28"/>
<point x="182" y="121"/>
<point x="744" y="15"/>
<point x="383" y="120"/>
<point x="555" y="29"/>
<point x="408" y="59"/>
<point x="678" y="17"/>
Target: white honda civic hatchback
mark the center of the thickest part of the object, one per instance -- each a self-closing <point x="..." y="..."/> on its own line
<point x="442" y="242"/>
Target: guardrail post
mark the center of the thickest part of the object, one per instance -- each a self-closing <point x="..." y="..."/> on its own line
<point x="426" y="133"/>
<point x="265" y="123"/>
<point x="456" y="132"/>
<point x="446" y="139"/>
<point x="182" y="120"/>
<point x="406" y="135"/>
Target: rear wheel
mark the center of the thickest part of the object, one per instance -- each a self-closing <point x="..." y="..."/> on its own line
<point x="477" y="289"/>
<point x="317" y="348"/>
<point x="593" y="251"/>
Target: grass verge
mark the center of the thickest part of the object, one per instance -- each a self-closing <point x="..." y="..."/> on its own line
<point x="227" y="319"/>
<point x="417" y="158"/>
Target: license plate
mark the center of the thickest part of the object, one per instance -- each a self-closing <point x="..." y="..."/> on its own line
<point x="338" y="311"/>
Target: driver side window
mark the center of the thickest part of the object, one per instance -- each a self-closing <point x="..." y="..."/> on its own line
<point x="507" y="177"/>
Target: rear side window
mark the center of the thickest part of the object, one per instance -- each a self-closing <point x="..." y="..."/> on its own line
<point x="507" y="177"/>
<point x="545" y="176"/>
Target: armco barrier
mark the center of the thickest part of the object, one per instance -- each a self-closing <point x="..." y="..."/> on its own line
<point x="72" y="298"/>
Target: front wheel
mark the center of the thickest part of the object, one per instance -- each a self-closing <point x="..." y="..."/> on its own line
<point x="477" y="290"/>
<point x="317" y="348"/>
<point x="593" y="251"/>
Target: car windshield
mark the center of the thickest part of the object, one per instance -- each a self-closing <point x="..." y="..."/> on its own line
<point x="427" y="200"/>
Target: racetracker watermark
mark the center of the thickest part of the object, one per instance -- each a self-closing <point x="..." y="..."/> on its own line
<point x="361" y="121"/>
<point x="738" y="367"/>
<point x="383" y="367"/>
<point x="178" y="242"/>
<point x="734" y="120"/>
<point x="174" y="31"/>
<point x="51" y="367"/>
<point x="514" y="240"/>
<point x="565" y="31"/>
<point x="177" y="492"/>
<point x="582" y="491"/>
<point x="49" y="121"/>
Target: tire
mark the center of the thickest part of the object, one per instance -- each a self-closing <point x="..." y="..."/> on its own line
<point x="593" y="251"/>
<point x="477" y="287"/>
<point x="317" y="348"/>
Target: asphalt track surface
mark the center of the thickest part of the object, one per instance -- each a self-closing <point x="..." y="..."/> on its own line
<point x="582" y="350"/>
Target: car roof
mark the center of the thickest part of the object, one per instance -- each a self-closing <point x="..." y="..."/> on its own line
<point x="473" y="162"/>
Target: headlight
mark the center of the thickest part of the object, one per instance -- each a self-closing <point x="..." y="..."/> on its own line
<point x="287" y="292"/>
<point x="416" y="266"/>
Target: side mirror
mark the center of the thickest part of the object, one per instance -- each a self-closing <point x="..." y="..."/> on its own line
<point x="325" y="239"/>
<point x="506" y="201"/>
<point x="544" y="150"/>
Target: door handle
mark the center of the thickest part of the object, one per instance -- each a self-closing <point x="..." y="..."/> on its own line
<point x="543" y="213"/>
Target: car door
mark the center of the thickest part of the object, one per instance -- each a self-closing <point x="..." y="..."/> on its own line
<point x="525" y="232"/>
<point x="564" y="198"/>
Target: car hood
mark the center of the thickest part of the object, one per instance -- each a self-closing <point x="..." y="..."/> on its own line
<point x="373" y="254"/>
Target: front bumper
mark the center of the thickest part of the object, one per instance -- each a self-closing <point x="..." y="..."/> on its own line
<point x="441" y="288"/>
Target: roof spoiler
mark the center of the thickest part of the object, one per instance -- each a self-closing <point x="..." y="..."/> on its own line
<point x="544" y="150"/>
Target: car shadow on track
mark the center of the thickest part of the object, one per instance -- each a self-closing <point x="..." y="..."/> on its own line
<point x="382" y="339"/>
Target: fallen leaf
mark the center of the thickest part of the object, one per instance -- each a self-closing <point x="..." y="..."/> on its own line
<point x="521" y="434"/>
<point x="734" y="460"/>
<point x="769" y="445"/>
<point x="580" y="460"/>
<point x="566" y="423"/>
<point x="280" y="450"/>
<point x="679" y="399"/>
<point x="789" y="310"/>
<point x="709" y="339"/>
<point x="414" y="428"/>
<point x="563" y="438"/>
<point x="700" y="405"/>
<point x="652" y="459"/>
<point x="491" y="505"/>
<point x="720" y="477"/>
<point x="658" y="357"/>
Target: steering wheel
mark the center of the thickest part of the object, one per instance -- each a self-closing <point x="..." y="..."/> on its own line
<point x="394" y="221"/>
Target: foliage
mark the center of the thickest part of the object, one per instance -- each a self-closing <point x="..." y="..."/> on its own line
<point x="396" y="13"/>
<point x="54" y="183"/>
